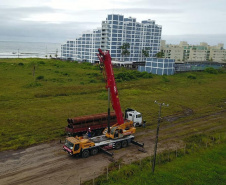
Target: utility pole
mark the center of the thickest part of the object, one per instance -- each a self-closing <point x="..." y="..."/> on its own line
<point x="18" y="53"/>
<point x="157" y="133"/>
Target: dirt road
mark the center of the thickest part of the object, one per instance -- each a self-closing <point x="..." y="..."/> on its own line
<point x="47" y="164"/>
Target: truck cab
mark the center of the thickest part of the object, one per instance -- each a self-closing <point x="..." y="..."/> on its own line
<point x="133" y="115"/>
<point x="76" y="145"/>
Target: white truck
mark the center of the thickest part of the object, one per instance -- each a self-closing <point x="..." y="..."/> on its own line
<point x="133" y="115"/>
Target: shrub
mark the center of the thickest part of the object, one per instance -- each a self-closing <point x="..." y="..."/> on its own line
<point x="33" y="84"/>
<point x="40" y="78"/>
<point x="221" y="71"/>
<point x="146" y="75"/>
<point x="211" y="70"/>
<point x="191" y="77"/>
<point x="65" y="74"/>
<point x="165" y="79"/>
<point x="41" y="62"/>
<point x="20" y="64"/>
<point x="93" y="81"/>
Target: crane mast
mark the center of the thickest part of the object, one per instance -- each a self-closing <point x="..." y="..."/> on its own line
<point x="105" y="59"/>
<point x="123" y="127"/>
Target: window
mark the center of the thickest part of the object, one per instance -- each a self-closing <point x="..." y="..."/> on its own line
<point x="76" y="147"/>
<point x="138" y="116"/>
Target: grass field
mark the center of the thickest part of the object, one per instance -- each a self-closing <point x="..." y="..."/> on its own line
<point x="38" y="95"/>
<point x="201" y="165"/>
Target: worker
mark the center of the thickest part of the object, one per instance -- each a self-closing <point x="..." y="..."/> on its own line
<point x="89" y="132"/>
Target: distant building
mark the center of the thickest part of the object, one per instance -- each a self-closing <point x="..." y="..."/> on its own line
<point x="143" y="39"/>
<point x="194" y="53"/>
<point x="114" y="32"/>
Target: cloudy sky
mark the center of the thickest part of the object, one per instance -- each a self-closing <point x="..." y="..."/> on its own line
<point x="59" y="20"/>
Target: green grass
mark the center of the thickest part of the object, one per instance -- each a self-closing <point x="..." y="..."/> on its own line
<point x="200" y="165"/>
<point x="34" y="104"/>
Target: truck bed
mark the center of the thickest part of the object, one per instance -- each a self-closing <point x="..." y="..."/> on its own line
<point x="103" y="140"/>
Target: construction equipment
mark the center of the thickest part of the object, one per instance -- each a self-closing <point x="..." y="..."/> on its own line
<point x="122" y="127"/>
<point x="115" y="136"/>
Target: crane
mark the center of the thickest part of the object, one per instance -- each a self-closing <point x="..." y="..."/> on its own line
<point x="122" y="127"/>
<point x="118" y="135"/>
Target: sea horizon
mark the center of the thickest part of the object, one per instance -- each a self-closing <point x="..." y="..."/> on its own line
<point x="32" y="49"/>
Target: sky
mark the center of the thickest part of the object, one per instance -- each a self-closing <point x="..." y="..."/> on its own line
<point x="193" y="21"/>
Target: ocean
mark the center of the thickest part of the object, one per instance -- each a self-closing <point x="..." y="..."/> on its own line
<point x="9" y="49"/>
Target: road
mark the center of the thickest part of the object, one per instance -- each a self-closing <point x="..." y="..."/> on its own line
<point x="47" y="163"/>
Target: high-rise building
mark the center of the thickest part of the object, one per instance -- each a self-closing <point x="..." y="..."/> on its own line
<point x="142" y="41"/>
<point x="116" y="30"/>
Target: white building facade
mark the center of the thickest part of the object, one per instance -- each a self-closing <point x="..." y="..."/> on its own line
<point x="115" y="31"/>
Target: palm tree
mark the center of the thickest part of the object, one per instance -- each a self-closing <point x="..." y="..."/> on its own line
<point x="145" y="52"/>
<point x="125" y="51"/>
<point x="159" y="54"/>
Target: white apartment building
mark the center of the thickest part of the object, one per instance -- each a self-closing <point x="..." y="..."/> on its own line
<point x="114" y="32"/>
<point x="199" y="53"/>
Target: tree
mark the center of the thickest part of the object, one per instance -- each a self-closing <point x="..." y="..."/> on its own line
<point x="145" y="52"/>
<point x="125" y="51"/>
<point x="159" y="54"/>
<point x="56" y="53"/>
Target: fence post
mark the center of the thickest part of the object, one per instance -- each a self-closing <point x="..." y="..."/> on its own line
<point x="80" y="181"/>
<point x="176" y="152"/>
<point x="184" y="149"/>
<point x="169" y="156"/>
<point x="107" y="172"/>
<point x="93" y="177"/>
<point x="119" y="167"/>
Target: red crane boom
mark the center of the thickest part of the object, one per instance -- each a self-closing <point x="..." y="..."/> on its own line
<point x="105" y="59"/>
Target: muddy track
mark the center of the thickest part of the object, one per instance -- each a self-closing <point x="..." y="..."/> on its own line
<point x="47" y="163"/>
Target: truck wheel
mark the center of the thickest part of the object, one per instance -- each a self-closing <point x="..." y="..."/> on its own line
<point x="124" y="144"/>
<point x="94" y="151"/>
<point x="85" y="154"/>
<point x="117" y="145"/>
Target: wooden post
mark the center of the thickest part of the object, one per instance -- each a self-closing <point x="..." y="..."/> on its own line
<point x="185" y="149"/>
<point x="176" y="152"/>
<point x="93" y="178"/>
<point x="169" y="156"/>
<point x="119" y="167"/>
<point x="107" y="172"/>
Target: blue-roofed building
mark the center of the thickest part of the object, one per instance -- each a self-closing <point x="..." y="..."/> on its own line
<point x="160" y="66"/>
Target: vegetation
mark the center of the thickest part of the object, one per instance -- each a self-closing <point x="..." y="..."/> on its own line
<point x="34" y="107"/>
<point x="160" y="54"/>
<point x="145" y="52"/>
<point x="195" y="165"/>
<point x="211" y="70"/>
<point x="124" y="48"/>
